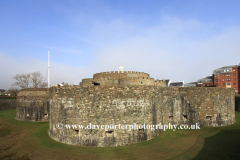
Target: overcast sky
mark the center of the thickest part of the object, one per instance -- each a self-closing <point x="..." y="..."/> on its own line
<point x="181" y="40"/>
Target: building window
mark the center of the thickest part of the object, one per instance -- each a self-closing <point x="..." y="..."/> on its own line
<point x="224" y="70"/>
<point x="228" y="84"/>
<point x="223" y="84"/>
<point x="216" y="84"/>
<point x="233" y="69"/>
<point x="234" y="87"/>
<point x="223" y="75"/>
<point x="234" y="79"/>
<point x="199" y="85"/>
<point x="228" y="75"/>
<point x="210" y="84"/>
<point x="234" y="74"/>
<point x="216" y="76"/>
<point x="216" y="80"/>
<point x="223" y="79"/>
<point x="228" y="70"/>
<point x="229" y="79"/>
<point x="234" y="83"/>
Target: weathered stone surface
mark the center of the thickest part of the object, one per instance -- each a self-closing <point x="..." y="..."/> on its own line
<point x="126" y="98"/>
<point x="150" y="105"/>
<point x="33" y="105"/>
<point x="115" y="78"/>
<point x="8" y="104"/>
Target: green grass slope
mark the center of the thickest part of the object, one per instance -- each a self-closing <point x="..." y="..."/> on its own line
<point x="30" y="140"/>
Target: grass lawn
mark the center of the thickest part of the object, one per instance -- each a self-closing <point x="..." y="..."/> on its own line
<point x="30" y="140"/>
<point x="7" y="98"/>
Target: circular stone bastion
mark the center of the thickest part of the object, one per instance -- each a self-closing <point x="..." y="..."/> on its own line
<point x="72" y="107"/>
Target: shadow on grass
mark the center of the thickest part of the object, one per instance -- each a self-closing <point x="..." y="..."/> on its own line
<point x="30" y="140"/>
<point x="237" y="103"/>
<point x="224" y="145"/>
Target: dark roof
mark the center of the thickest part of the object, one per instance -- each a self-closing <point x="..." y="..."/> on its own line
<point x="228" y="66"/>
<point x="205" y="79"/>
<point x="175" y="84"/>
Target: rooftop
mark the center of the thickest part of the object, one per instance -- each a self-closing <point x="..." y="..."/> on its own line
<point x="176" y="84"/>
<point x="205" y="79"/>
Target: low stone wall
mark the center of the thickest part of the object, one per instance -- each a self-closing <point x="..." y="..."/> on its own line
<point x="126" y="105"/>
<point x="8" y="104"/>
<point x="33" y="105"/>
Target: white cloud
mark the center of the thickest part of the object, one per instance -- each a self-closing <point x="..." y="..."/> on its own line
<point x="59" y="73"/>
<point x="174" y="48"/>
<point x="164" y="51"/>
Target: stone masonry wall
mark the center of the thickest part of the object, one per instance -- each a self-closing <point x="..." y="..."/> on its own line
<point x="150" y="105"/>
<point x="33" y="105"/>
<point x="118" y="78"/>
<point x="118" y="75"/>
<point x="8" y="104"/>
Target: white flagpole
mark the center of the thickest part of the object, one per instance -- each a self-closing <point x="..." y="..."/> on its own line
<point x="48" y="68"/>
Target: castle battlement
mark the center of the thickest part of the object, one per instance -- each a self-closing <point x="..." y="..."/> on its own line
<point x="119" y="72"/>
<point x="123" y="98"/>
<point x="120" y="78"/>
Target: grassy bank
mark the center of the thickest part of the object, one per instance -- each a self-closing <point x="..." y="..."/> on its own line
<point x="4" y="98"/>
<point x="30" y="140"/>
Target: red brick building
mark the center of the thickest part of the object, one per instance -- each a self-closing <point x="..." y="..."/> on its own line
<point x="206" y="81"/>
<point x="227" y="77"/>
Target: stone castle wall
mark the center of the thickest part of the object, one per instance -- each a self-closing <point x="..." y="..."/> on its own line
<point x="122" y="78"/>
<point x="150" y="105"/>
<point x="33" y="104"/>
<point x="8" y="104"/>
<point x="118" y="75"/>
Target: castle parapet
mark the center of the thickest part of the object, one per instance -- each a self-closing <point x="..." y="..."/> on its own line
<point x="122" y="78"/>
<point x="118" y="75"/>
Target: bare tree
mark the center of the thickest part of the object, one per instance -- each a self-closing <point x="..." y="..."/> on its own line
<point x="22" y="80"/>
<point x="43" y="85"/>
<point x="35" y="78"/>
